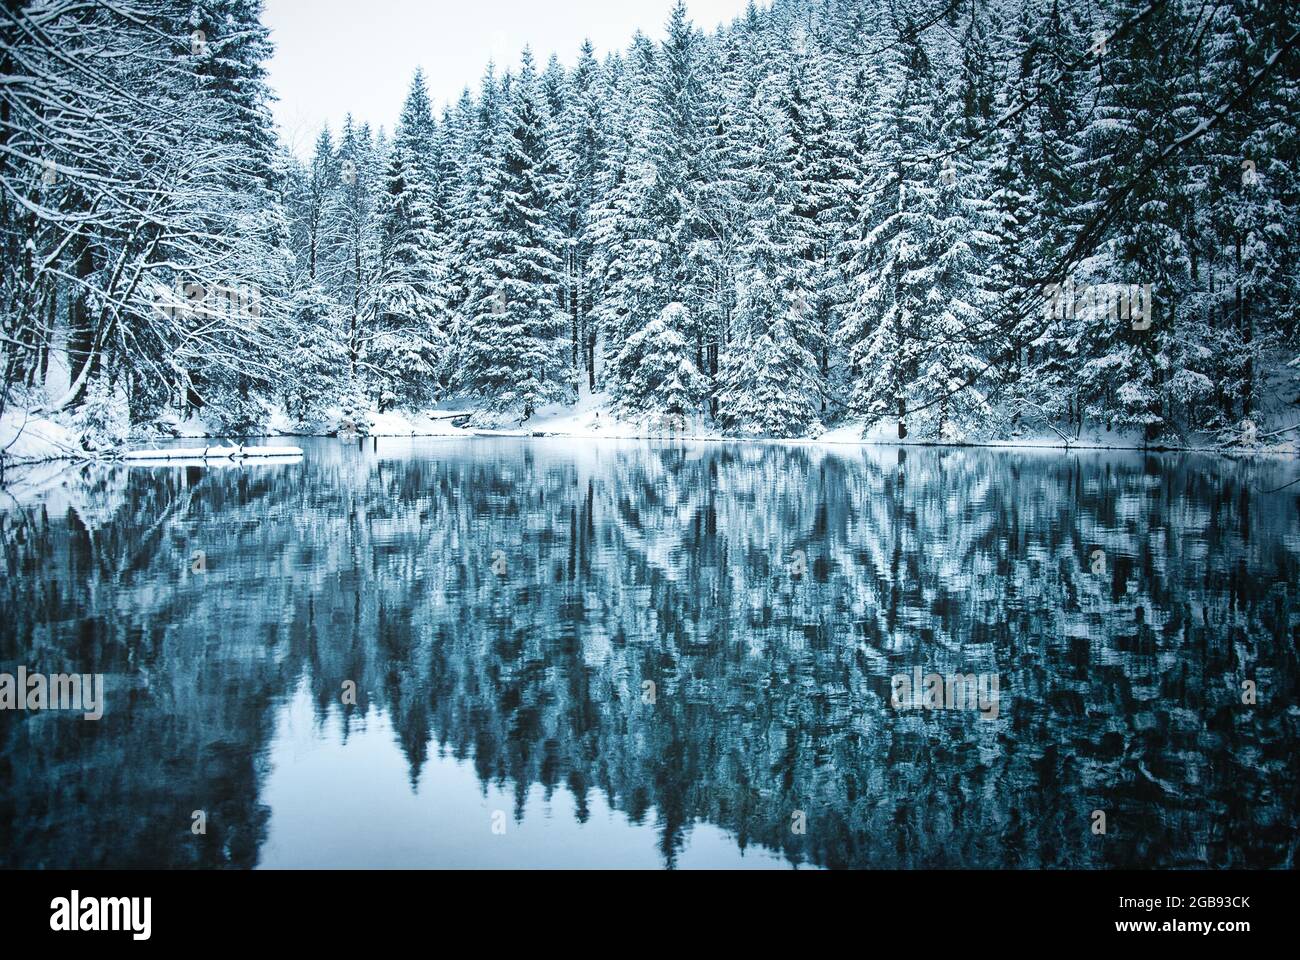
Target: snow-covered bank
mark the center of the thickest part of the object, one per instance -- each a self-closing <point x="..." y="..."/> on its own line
<point x="31" y="438"/>
<point x="590" y="419"/>
<point x="27" y="438"/>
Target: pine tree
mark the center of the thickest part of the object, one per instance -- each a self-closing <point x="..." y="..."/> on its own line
<point x="1125" y="367"/>
<point x="316" y="359"/>
<point x="627" y="231"/>
<point x="412" y="296"/>
<point x="586" y="136"/>
<point x="767" y="383"/>
<point x="656" y="379"/>
<point x="883" y="328"/>
<point x="514" y="349"/>
<point x="351" y="262"/>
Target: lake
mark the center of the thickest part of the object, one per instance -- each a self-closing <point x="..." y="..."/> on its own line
<point x="509" y="652"/>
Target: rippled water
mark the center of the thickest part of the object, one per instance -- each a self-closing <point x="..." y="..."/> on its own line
<point x="635" y="654"/>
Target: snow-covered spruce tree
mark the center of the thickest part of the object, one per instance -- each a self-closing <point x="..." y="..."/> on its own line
<point x="514" y="349"/>
<point x="475" y="245"/>
<point x="848" y="151"/>
<point x="311" y="207"/>
<point x="409" y="347"/>
<point x="316" y="360"/>
<point x="882" y="331"/>
<point x="634" y="224"/>
<point x="1125" y="363"/>
<point x="650" y="221"/>
<point x="584" y="129"/>
<point x="350" y="256"/>
<point x="825" y="174"/>
<point x="674" y="139"/>
<point x="1243" y="303"/>
<point x="954" y="374"/>
<point x="462" y="157"/>
<point x="767" y="381"/>
<point x="558" y="132"/>
<point x="711" y="290"/>
<point x="251" y="285"/>
<point x="1012" y="279"/>
<point x="922" y="301"/>
<point x="962" y="336"/>
<point x="802" y="161"/>
<point x="776" y="260"/>
<point x="1039" y="144"/>
<point x="655" y="376"/>
<point x="616" y="225"/>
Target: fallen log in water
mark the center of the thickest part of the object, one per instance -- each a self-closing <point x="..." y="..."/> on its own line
<point x="219" y="463"/>
<point x="213" y="453"/>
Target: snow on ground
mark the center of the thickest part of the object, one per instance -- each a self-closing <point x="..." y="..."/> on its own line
<point x="591" y="419"/>
<point x="399" y="424"/>
<point x="27" y="439"/>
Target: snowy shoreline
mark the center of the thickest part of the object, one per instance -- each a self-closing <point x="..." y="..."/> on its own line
<point x="26" y="440"/>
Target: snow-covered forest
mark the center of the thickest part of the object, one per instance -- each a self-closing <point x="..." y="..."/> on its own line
<point x="958" y="219"/>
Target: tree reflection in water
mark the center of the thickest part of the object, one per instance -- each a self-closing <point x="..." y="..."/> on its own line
<point x="671" y="564"/>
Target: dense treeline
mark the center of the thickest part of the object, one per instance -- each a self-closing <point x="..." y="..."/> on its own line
<point x="828" y="209"/>
<point x="141" y="213"/>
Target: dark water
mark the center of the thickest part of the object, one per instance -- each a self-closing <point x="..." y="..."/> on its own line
<point x="503" y="716"/>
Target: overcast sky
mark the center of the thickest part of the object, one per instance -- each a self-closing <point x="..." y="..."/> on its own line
<point x="333" y="57"/>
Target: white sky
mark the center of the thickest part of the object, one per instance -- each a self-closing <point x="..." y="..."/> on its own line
<point x="333" y="57"/>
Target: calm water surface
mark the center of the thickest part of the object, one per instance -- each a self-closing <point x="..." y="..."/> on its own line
<point x="643" y="655"/>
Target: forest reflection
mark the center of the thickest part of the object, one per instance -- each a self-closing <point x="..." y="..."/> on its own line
<point x="695" y="632"/>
